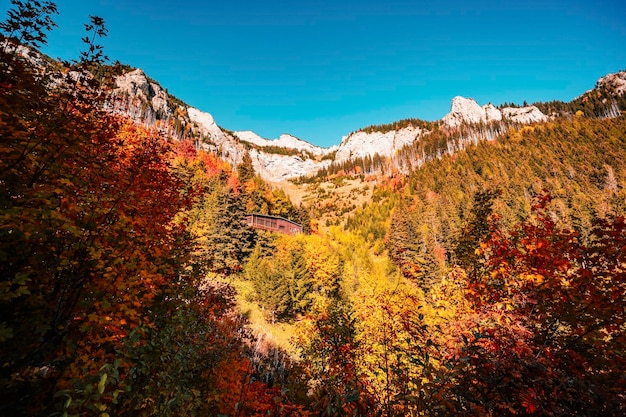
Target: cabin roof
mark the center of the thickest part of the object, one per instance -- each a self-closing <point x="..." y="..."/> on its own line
<point x="268" y="216"/>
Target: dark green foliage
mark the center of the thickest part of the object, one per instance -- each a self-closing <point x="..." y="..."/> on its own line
<point x="272" y="291"/>
<point x="186" y="346"/>
<point x="355" y="166"/>
<point x="300" y="283"/>
<point x="276" y="150"/>
<point x="330" y="156"/>
<point x="580" y="162"/>
<point x="475" y="230"/>
<point x="403" y="240"/>
<point x="281" y="280"/>
<point x="414" y="244"/>
<point x="281" y="205"/>
<point x="302" y="216"/>
<point x="400" y="124"/>
<point x="245" y="169"/>
<point x="224" y="239"/>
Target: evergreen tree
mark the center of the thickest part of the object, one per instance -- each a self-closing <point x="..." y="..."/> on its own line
<point x="303" y="217"/>
<point x="223" y="238"/>
<point x="406" y="244"/>
<point x="272" y="291"/>
<point x="282" y="280"/>
<point x="245" y="169"/>
<point x="300" y="282"/>
<point x="476" y="230"/>
<point x="281" y="205"/>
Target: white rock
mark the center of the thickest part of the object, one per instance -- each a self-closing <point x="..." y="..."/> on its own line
<point x="206" y="123"/>
<point x="284" y="141"/>
<point x="363" y="144"/>
<point x="276" y="168"/>
<point x="136" y="84"/>
<point x="615" y="82"/>
<point x="492" y="113"/>
<point x="526" y="115"/>
<point x="466" y="110"/>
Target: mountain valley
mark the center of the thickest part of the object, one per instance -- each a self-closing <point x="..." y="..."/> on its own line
<point x="468" y="266"/>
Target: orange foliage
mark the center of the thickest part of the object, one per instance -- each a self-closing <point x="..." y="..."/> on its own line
<point x="185" y="149"/>
<point x="213" y="164"/>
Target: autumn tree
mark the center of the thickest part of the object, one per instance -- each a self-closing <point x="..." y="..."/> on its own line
<point x="28" y="23"/>
<point x="100" y="305"/>
<point x="329" y="348"/>
<point x="403" y="241"/>
<point x="397" y="351"/>
<point x="245" y="169"/>
<point x="547" y="334"/>
<point x="223" y="238"/>
<point x="414" y="243"/>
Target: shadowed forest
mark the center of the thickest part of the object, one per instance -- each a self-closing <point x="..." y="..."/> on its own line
<point x="487" y="282"/>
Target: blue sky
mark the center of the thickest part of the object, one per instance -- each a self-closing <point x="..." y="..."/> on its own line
<point x="321" y="69"/>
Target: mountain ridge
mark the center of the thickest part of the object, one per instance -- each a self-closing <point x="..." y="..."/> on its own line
<point x="288" y="157"/>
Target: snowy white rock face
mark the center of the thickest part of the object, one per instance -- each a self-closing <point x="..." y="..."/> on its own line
<point x="525" y="115"/>
<point x="223" y="142"/>
<point x="276" y="168"/>
<point x="206" y="124"/>
<point x="284" y="141"/>
<point x="271" y="167"/>
<point x="136" y="84"/>
<point x="466" y="110"/>
<point x="614" y="82"/>
<point x="363" y="144"/>
<point x="491" y="113"/>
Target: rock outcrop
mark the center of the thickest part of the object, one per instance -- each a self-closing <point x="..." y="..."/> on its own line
<point x="467" y="111"/>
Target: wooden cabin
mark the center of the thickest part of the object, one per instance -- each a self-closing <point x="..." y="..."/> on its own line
<point x="273" y="224"/>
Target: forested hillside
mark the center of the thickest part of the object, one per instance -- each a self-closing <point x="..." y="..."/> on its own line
<point x="579" y="163"/>
<point x="491" y="281"/>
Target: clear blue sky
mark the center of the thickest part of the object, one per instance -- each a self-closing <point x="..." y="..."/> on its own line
<point x="321" y="69"/>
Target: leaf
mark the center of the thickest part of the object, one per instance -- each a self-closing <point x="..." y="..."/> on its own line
<point x="101" y="384"/>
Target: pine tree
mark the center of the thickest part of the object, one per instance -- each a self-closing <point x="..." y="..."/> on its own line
<point x="476" y="229"/>
<point x="245" y="169"/>
<point x="223" y="237"/>
<point x="281" y="205"/>
<point x="403" y="240"/>
<point x="300" y="282"/>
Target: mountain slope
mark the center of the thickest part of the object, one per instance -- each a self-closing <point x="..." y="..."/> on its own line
<point x="397" y="147"/>
<point x="147" y="102"/>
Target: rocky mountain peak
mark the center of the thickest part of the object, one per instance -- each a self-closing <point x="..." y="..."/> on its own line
<point x="616" y="83"/>
<point x="383" y="143"/>
<point x="289" y="157"/>
<point x="135" y="84"/>
<point x="467" y="111"/>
